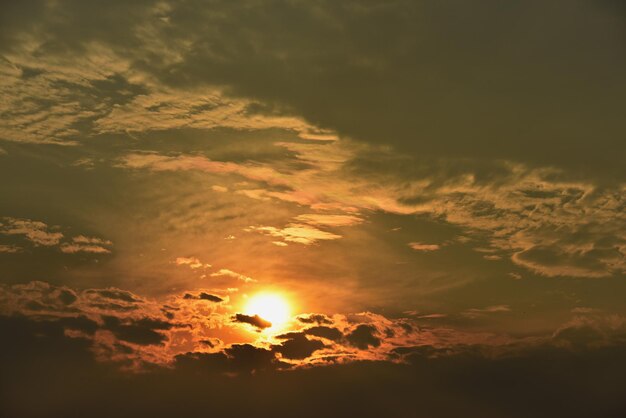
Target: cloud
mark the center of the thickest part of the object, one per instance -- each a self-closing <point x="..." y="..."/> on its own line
<point x="254" y="320"/>
<point x="584" y="261"/>
<point x="85" y="244"/>
<point x="35" y="231"/>
<point x="81" y="239"/>
<point x="314" y="319"/>
<point x="40" y="234"/>
<point x="157" y="162"/>
<point x="471" y="377"/>
<point x="298" y="233"/>
<point x="82" y="248"/>
<point x="297" y="346"/>
<point x="138" y="333"/>
<point x="233" y="274"/>
<point x="329" y="220"/>
<point x="248" y="358"/>
<point x="204" y="296"/>
<point x="523" y="211"/>
<point x="114" y="294"/>
<point x="418" y="246"/>
<point x="192" y="262"/>
<point x="11" y="249"/>
<point x="476" y="312"/>
<point x="329" y="333"/>
<point x="363" y="337"/>
<point x="143" y="331"/>
<point x="174" y="57"/>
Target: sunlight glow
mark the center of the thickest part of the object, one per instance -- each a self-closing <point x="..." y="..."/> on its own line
<point x="269" y="306"/>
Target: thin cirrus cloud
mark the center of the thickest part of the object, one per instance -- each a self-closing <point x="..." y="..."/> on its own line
<point x="525" y="215"/>
<point x="233" y="274"/>
<point x="295" y="233"/>
<point x="418" y="246"/>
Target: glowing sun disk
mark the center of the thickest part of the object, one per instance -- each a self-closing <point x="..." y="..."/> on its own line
<point x="270" y="307"/>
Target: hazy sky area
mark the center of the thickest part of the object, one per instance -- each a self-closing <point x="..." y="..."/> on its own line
<point x="313" y="208"/>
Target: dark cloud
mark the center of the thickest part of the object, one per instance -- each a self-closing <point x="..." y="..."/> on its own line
<point x="500" y="122"/>
<point x="67" y="296"/>
<point x="297" y="346"/>
<point x="204" y="296"/>
<point x="329" y="333"/>
<point x="246" y="357"/>
<point x="116" y="294"/>
<point x="45" y="365"/>
<point x="211" y="342"/>
<point x="238" y="358"/>
<point x="79" y="323"/>
<point x="114" y="307"/>
<point x="464" y="80"/>
<point x="254" y="320"/>
<point x="460" y="80"/>
<point x="315" y="319"/>
<point x="143" y="331"/>
<point x="363" y="337"/>
<point x="202" y="363"/>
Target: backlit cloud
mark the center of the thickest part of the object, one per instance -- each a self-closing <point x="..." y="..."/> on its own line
<point x="233" y="274"/>
<point x="298" y="233"/>
<point x="192" y="262"/>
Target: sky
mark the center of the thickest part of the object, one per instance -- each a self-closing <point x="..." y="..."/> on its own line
<point x="312" y="208"/>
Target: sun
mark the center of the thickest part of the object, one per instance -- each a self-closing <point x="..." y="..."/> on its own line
<point x="269" y="306"/>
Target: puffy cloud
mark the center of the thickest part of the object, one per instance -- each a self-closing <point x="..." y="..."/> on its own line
<point x="144" y="331"/>
<point x="329" y="333"/>
<point x="315" y="319"/>
<point x="192" y="262"/>
<point x="471" y="377"/>
<point x="297" y="346"/>
<point x="254" y="320"/>
<point x="364" y="336"/>
<point x="124" y="328"/>
<point x="35" y="231"/>
<point x="40" y="234"/>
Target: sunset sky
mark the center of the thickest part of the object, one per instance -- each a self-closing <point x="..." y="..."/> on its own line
<point x="313" y="208"/>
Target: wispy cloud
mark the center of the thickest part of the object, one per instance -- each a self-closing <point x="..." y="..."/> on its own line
<point x="418" y="246"/>
<point x="298" y="233"/>
<point x="329" y="220"/>
<point x="233" y="274"/>
<point x="192" y="262"/>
